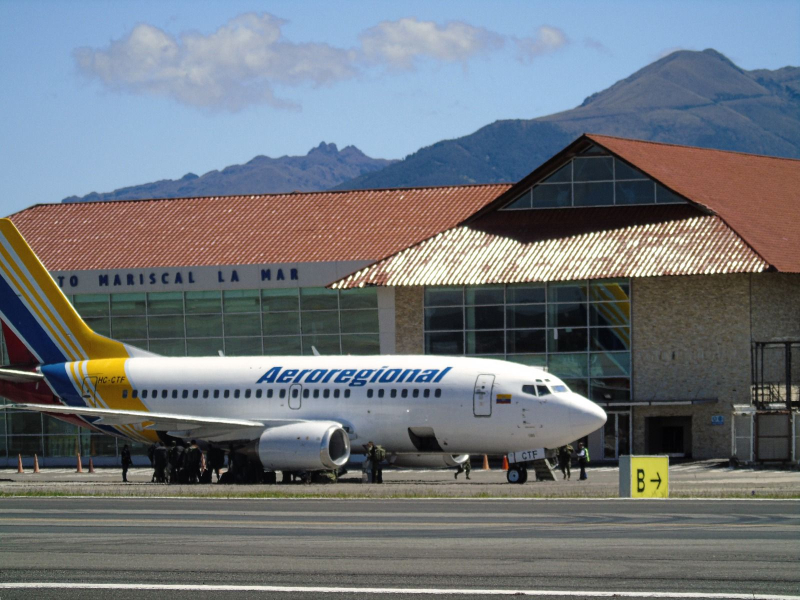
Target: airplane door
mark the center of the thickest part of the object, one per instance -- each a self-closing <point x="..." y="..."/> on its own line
<point x="295" y="396"/>
<point x="482" y="396"/>
<point x="89" y="390"/>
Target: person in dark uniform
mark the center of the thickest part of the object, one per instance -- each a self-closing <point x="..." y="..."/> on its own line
<point x="176" y="460"/>
<point x="465" y="467"/>
<point x="160" y="461"/>
<point x="216" y="459"/>
<point x="376" y="455"/>
<point x="565" y="459"/>
<point x="193" y="457"/>
<point x="126" y="462"/>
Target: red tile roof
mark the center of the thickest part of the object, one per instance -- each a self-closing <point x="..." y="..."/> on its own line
<point x="757" y="196"/>
<point x="562" y="245"/>
<point x="300" y="227"/>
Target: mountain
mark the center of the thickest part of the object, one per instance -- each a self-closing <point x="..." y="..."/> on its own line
<point x="323" y="167"/>
<point x="692" y="98"/>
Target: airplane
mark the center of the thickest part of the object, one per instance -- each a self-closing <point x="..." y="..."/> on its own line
<point x="290" y="413"/>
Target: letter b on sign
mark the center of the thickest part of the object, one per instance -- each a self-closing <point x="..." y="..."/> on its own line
<point x="639" y="480"/>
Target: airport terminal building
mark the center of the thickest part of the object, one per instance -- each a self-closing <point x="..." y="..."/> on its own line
<point x="662" y="282"/>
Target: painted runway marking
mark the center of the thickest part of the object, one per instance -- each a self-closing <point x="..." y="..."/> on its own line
<point x="394" y="591"/>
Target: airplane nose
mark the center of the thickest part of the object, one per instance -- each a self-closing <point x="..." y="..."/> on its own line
<point x="585" y="417"/>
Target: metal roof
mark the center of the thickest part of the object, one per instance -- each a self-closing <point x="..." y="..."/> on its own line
<point x="233" y="230"/>
<point x="484" y="253"/>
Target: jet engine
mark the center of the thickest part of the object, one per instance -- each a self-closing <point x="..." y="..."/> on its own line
<point x="307" y="446"/>
<point x="429" y="461"/>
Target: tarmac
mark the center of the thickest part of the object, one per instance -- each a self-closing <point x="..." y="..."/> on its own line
<point x="698" y="479"/>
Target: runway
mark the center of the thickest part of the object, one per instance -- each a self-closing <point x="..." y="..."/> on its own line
<point x="410" y="548"/>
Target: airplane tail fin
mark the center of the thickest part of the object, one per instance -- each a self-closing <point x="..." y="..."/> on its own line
<point x="38" y="313"/>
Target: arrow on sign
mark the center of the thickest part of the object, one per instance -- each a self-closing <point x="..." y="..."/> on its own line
<point x="657" y="480"/>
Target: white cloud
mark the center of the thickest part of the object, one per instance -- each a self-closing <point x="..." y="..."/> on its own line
<point x="547" y="40"/>
<point x="597" y="45"/>
<point x="399" y="44"/>
<point x="242" y="62"/>
<point x="234" y="67"/>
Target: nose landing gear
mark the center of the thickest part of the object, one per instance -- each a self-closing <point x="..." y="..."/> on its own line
<point x="517" y="474"/>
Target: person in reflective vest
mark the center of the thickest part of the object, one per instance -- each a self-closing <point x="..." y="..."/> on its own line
<point x="583" y="459"/>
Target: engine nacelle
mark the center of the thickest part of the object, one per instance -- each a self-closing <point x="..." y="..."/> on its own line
<point x="429" y="461"/>
<point x="308" y="446"/>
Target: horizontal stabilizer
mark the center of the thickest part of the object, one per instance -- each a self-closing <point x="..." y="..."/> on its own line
<point x="18" y="376"/>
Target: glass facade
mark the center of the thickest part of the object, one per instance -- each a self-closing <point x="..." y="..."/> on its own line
<point x="201" y="323"/>
<point x="580" y="331"/>
<point x="594" y="179"/>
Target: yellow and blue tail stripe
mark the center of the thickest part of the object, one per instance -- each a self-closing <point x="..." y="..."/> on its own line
<point x="38" y="312"/>
<point x="70" y="354"/>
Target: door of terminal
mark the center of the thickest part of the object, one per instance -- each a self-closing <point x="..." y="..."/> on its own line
<point x="617" y="435"/>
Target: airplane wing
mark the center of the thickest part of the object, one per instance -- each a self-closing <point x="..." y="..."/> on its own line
<point x="206" y="428"/>
<point x="18" y="376"/>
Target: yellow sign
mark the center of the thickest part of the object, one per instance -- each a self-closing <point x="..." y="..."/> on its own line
<point x="644" y="477"/>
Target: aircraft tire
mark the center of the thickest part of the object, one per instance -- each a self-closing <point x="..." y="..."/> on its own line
<point x="516" y="475"/>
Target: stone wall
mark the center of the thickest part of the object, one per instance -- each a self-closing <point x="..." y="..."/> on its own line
<point x="409" y="314"/>
<point x="691" y="342"/>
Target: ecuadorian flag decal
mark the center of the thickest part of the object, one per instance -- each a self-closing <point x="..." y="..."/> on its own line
<point x="503" y="399"/>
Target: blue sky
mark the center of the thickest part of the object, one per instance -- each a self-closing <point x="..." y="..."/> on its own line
<point x="100" y="95"/>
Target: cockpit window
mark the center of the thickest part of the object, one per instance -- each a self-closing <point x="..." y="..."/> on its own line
<point x="529" y="389"/>
<point x="560" y="388"/>
<point x="543" y="390"/>
<point x="536" y="390"/>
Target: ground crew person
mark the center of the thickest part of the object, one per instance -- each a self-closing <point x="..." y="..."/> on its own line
<point x="583" y="459"/>
<point x="176" y="462"/>
<point x="466" y="466"/>
<point x="160" y="461"/>
<point x="192" y="460"/>
<point x="216" y="459"/>
<point x="565" y="459"/>
<point x="366" y="466"/>
<point x="126" y="462"/>
<point x="377" y="455"/>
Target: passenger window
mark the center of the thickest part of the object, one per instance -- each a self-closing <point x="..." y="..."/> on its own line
<point x="305" y="393"/>
<point x="380" y="393"/>
<point x="415" y="393"/>
<point x="205" y="393"/>
<point x="295" y="392"/>
<point x="135" y="394"/>
<point x="124" y="393"/>
<point x="195" y="393"/>
<point x="216" y="393"/>
<point x="226" y="394"/>
<point x="393" y="393"/>
<point x="283" y="394"/>
<point x="335" y="393"/>
<point x="427" y="393"/>
<point x="236" y="393"/>
<point x="247" y="393"/>
<point x="347" y="393"/>
<point x="369" y="393"/>
<point x="155" y="394"/>
<point x="438" y="393"/>
<point x="404" y="394"/>
<point x="326" y="393"/>
<point x="164" y="393"/>
<point x="185" y="394"/>
<point x="144" y="393"/>
<point x="316" y="393"/>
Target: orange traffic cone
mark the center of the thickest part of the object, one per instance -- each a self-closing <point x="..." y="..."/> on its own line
<point x="80" y="466"/>
<point x="19" y="464"/>
<point x="91" y="465"/>
<point x="505" y="463"/>
<point x="35" y="464"/>
<point x="485" y="463"/>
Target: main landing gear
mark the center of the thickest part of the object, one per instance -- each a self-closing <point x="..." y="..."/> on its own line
<point x="517" y="474"/>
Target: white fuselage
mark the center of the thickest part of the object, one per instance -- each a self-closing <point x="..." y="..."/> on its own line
<point x="404" y="403"/>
